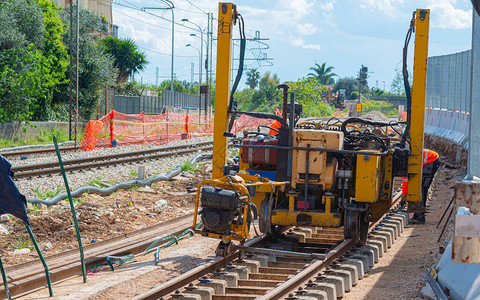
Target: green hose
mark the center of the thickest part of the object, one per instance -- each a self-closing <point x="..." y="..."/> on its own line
<point x="44" y="263"/>
<point x="82" y="258"/>
<point x="4" y="277"/>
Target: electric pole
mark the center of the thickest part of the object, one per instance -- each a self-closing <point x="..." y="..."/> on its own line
<point x="74" y="53"/>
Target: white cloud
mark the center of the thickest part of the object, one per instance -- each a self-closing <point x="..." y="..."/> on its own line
<point x="389" y="7"/>
<point x="327" y="6"/>
<point x="445" y="15"/>
<point x="306" y="29"/>
<point x="299" y="42"/>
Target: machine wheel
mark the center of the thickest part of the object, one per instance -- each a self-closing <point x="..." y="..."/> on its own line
<point x="351" y="224"/>
<point x="264" y="217"/>
<point x="223" y="248"/>
<point x="364" y="222"/>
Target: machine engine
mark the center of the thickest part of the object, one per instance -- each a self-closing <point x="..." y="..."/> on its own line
<point x="220" y="206"/>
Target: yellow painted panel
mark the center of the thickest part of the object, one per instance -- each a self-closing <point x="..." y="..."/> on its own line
<point x="367" y="178"/>
<point x="320" y="170"/>
<point x="289" y="218"/>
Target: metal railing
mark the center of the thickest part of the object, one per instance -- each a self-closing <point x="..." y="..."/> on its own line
<point x="157" y="105"/>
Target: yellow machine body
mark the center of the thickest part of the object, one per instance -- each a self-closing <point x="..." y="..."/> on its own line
<point x="320" y="170"/>
<point x="243" y="184"/>
<point x="338" y="174"/>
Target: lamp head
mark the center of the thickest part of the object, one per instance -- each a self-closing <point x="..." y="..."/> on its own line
<point x="184" y="20"/>
<point x="188" y="45"/>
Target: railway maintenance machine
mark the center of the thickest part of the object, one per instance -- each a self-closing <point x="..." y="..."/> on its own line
<point x="337" y="173"/>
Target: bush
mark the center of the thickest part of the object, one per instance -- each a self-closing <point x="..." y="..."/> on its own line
<point x="386" y="108"/>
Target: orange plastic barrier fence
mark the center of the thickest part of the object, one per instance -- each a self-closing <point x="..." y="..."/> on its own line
<point x="154" y="129"/>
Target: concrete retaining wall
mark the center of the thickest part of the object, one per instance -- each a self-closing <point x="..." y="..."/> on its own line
<point x="17" y="130"/>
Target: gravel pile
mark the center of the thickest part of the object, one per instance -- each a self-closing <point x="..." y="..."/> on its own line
<point x="46" y="187"/>
<point x="376" y="115"/>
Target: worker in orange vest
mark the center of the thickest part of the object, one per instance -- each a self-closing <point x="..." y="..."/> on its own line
<point x="431" y="162"/>
<point x="276" y="124"/>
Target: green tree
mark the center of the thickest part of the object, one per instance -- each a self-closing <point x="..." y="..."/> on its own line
<point x="55" y="58"/>
<point x="20" y="83"/>
<point x="252" y="78"/>
<point x="268" y="85"/>
<point x="95" y="65"/>
<point x="349" y="84"/>
<point x="128" y="58"/>
<point x="309" y="93"/>
<point x="322" y="74"/>
<point x="30" y="45"/>
<point x="397" y="87"/>
<point x="21" y="24"/>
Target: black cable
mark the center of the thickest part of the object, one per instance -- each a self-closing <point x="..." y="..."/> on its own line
<point x="243" y="43"/>
<point x="406" y="83"/>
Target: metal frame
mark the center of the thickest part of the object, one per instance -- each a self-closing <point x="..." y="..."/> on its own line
<point x="415" y="163"/>
<point x="226" y="15"/>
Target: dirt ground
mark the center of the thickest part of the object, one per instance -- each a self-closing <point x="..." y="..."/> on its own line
<point x="99" y="218"/>
<point x="400" y="272"/>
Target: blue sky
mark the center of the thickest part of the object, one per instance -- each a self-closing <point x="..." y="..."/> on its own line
<point x="343" y="33"/>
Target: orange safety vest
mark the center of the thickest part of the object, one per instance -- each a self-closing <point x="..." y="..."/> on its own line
<point x="429" y="156"/>
<point x="275" y="124"/>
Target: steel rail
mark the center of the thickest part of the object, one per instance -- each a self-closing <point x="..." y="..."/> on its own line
<point x="279" y="292"/>
<point x="100" y="161"/>
<point x="35" y="151"/>
<point x="27" y="277"/>
<point x="186" y="278"/>
<point x="308" y="273"/>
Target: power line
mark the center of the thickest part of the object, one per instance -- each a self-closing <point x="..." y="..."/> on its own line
<point x="155" y="15"/>
<point x="196" y="6"/>
<point x="166" y="54"/>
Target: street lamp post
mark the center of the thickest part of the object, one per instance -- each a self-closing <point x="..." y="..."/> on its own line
<point x="201" y="48"/>
<point x="200" y="63"/>
<point x="171" y="7"/>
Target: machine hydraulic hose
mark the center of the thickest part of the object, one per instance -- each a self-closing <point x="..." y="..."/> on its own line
<point x="243" y="43"/>
<point x="406" y="82"/>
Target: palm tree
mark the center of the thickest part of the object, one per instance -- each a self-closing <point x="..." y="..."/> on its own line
<point x="252" y="78"/>
<point x="127" y="58"/>
<point x="323" y="74"/>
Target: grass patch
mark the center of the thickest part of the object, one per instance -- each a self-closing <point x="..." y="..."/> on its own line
<point x="47" y="194"/>
<point x="133" y="173"/>
<point x="21" y="243"/>
<point x="189" y="167"/>
<point x="97" y="181"/>
<point x="46" y="136"/>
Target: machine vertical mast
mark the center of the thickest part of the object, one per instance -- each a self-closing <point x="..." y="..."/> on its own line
<point x="222" y="87"/>
<point x="415" y="163"/>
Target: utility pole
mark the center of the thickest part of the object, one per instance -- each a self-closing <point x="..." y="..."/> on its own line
<point x="73" y="70"/>
<point x="192" y="70"/>
<point x="208" y="62"/>
<point x="156" y="75"/>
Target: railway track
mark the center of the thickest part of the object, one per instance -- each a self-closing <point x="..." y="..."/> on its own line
<point x="52" y="168"/>
<point x="27" y="277"/>
<point x="37" y="151"/>
<point x="304" y="264"/>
